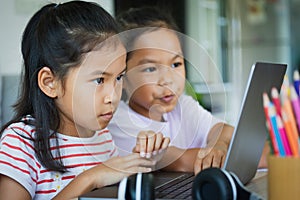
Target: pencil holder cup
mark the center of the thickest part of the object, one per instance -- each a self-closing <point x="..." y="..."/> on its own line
<point x="283" y="178"/>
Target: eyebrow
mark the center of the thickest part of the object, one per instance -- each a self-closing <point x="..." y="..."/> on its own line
<point x="149" y="60"/>
<point x="100" y="72"/>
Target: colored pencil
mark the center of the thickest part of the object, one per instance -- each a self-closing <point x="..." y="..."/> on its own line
<point x="285" y="87"/>
<point x="274" y="146"/>
<point x="296" y="78"/>
<point x="291" y="136"/>
<point x="276" y="100"/>
<point x="296" y="105"/>
<point x="283" y="136"/>
<point x="272" y="115"/>
<point x="287" y="107"/>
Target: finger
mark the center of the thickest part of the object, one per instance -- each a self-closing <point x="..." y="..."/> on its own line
<point x="126" y="165"/>
<point x="202" y="153"/>
<point x="158" y="141"/>
<point x="197" y="166"/>
<point x="142" y="141"/>
<point x="217" y="161"/>
<point x="120" y="163"/>
<point x="136" y="169"/>
<point x="151" y="137"/>
<point x="207" y="162"/>
<point x="222" y="161"/>
<point x="136" y="160"/>
<point x="140" y="169"/>
<point x="137" y="147"/>
<point x="166" y="142"/>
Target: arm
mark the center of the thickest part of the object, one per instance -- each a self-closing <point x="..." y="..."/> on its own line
<point x="190" y="160"/>
<point x="11" y="189"/>
<point x="110" y="172"/>
<point x="177" y="159"/>
<point x="213" y="155"/>
<point x="107" y="173"/>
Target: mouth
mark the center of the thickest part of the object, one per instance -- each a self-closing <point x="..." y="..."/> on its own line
<point x="167" y="98"/>
<point x="107" y="116"/>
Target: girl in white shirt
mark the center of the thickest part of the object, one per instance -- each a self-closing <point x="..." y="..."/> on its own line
<point x="154" y="86"/>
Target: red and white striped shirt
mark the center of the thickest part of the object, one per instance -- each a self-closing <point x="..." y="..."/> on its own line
<point x="18" y="159"/>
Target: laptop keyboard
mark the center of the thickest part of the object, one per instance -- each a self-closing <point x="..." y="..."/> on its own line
<point x="180" y="188"/>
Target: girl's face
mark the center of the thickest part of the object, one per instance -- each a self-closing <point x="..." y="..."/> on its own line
<point x="156" y="74"/>
<point x="92" y="91"/>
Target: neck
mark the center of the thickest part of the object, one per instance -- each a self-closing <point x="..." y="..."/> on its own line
<point x="153" y="113"/>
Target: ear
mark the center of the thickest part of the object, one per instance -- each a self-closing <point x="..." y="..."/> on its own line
<point x="47" y="82"/>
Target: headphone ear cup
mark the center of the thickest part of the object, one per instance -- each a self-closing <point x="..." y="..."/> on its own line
<point x="147" y="189"/>
<point x="213" y="183"/>
<point x="140" y="186"/>
<point x="130" y="193"/>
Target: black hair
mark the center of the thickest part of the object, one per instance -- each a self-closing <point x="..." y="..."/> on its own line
<point x="148" y="16"/>
<point x="57" y="36"/>
<point x="144" y="19"/>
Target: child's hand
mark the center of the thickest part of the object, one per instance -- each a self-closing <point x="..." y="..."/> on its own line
<point x="211" y="157"/>
<point x="117" y="168"/>
<point x="150" y="144"/>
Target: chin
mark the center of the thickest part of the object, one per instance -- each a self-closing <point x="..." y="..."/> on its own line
<point x="167" y="109"/>
<point x="101" y="125"/>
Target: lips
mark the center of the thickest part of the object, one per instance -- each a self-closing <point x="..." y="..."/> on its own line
<point x="107" y="116"/>
<point x="167" y="98"/>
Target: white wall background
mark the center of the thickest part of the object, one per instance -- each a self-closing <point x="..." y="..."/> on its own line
<point x="14" y="15"/>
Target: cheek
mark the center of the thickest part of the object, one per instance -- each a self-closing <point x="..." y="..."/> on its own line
<point x="180" y="79"/>
<point x="180" y="75"/>
<point x="118" y="93"/>
<point x="83" y="99"/>
<point x="142" y="94"/>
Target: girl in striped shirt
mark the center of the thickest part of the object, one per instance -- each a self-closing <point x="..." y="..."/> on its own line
<point x="57" y="145"/>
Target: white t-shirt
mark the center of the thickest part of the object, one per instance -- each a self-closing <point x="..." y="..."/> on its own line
<point x="187" y="125"/>
<point x="18" y="159"/>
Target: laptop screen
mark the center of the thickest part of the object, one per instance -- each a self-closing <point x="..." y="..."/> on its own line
<point x="250" y="132"/>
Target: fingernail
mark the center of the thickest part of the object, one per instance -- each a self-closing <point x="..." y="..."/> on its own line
<point x="142" y="154"/>
<point x="154" y="153"/>
<point x="148" y="155"/>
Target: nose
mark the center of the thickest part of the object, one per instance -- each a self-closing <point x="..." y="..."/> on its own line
<point x="112" y="94"/>
<point x="165" y="76"/>
<point x="108" y="99"/>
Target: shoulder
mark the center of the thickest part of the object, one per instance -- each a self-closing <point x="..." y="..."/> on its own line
<point x="18" y="138"/>
<point x="186" y="99"/>
<point x="17" y="155"/>
<point x="19" y="130"/>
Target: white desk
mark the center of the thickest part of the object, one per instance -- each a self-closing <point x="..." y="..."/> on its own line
<point x="259" y="184"/>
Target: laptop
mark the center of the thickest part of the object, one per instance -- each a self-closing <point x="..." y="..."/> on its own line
<point x="247" y="142"/>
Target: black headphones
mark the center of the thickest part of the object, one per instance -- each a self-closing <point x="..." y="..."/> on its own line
<point x="136" y="187"/>
<point x="209" y="184"/>
<point x="216" y="183"/>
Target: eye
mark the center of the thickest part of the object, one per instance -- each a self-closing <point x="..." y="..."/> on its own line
<point x="176" y="64"/>
<point x="99" y="81"/>
<point x="120" y="77"/>
<point x="149" y="69"/>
